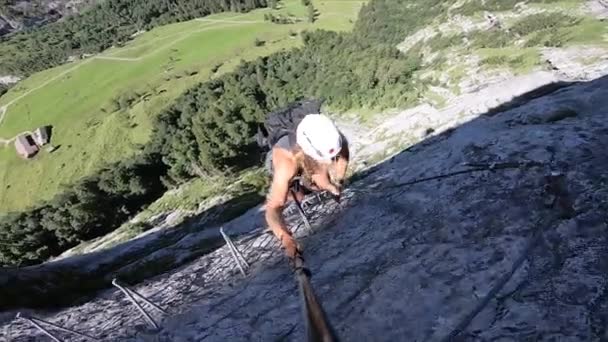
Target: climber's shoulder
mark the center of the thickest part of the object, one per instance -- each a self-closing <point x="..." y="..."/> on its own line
<point x="283" y="160"/>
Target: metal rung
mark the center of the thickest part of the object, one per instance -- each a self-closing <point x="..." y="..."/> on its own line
<point x="131" y="296"/>
<point x="236" y="254"/>
<point x="36" y="322"/>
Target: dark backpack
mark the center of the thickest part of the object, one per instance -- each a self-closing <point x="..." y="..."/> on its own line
<point x="284" y="122"/>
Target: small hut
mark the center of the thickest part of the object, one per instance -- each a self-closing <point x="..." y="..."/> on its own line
<point x="41" y="136"/>
<point x="26" y="146"/>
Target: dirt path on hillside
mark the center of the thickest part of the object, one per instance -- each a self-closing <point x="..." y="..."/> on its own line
<point x="4" y="109"/>
<point x="230" y="21"/>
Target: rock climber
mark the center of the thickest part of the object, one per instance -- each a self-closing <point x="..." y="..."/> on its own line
<point x="302" y="162"/>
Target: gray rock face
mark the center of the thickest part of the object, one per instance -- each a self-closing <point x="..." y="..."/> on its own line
<point x="480" y="256"/>
<point x="497" y="252"/>
<point x="16" y="15"/>
<point x="5" y="27"/>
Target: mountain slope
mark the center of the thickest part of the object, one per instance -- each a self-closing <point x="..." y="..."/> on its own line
<point x="416" y="262"/>
<point x="513" y="251"/>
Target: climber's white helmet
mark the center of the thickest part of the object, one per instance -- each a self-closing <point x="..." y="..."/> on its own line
<point x="319" y="137"/>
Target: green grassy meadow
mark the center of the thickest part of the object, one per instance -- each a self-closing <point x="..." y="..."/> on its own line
<point x="78" y="99"/>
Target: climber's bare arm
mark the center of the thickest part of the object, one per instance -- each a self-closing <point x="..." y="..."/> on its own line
<point x="321" y="179"/>
<point x="284" y="169"/>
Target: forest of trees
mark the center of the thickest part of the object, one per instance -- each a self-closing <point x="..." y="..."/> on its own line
<point x="93" y="207"/>
<point x="210" y="128"/>
<point x="111" y="22"/>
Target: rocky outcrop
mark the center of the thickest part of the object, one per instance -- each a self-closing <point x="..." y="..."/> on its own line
<point x="578" y="62"/>
<point x="598" y="8"/>
<point x="17" y="15"/>
<point x="8" y="80"/>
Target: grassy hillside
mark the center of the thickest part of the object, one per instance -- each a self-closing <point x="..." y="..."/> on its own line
<point x="100" y="107"/>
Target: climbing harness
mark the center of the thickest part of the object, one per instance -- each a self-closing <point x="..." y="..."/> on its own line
<point x="301" y="211"/>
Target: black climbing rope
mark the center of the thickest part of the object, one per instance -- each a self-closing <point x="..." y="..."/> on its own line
<point x="475" y="167"/>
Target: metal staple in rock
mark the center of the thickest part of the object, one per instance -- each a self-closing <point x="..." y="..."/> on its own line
<point x="131" y="296"/>
<point x="236" y="254"/>
<point x="37" y="321"/>
<point x="39" y="327"/>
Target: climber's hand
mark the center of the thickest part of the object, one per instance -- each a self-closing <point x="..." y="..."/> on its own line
<point x="292" y="248"/>
<point x="336" y="198"/>
<point x="336" y="193"/>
